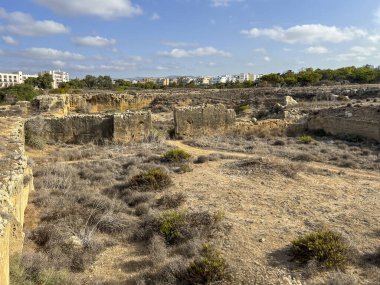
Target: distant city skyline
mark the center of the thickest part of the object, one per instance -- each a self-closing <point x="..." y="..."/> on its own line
<point x="145" y="38"/>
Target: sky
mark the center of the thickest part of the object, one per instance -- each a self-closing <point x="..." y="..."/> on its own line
<point x="141" y="38"/>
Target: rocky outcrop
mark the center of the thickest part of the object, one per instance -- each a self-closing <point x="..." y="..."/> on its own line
<point x="52" y="104"/>
<point x="20" y="109"/>
<point x="77" y="129"/>
<point x="361" y="121"/>
<point x="203" y="120"/>
<point x="131" y="126"/>
<point x="108" y="102"/>
<point x="16" y="181"/>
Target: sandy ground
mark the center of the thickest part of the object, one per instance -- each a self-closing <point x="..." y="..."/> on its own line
<point x="264" y="213"/>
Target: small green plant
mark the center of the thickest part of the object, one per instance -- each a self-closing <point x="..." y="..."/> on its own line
<point x="176" y="155"/>
<point x="244" y="108"/>
<point x="306" y="139"/>
<point x="208" y="268"/>
<point x="171" y="224"/>
<point x="325" y="246"/>
<point x="152" y="180"/>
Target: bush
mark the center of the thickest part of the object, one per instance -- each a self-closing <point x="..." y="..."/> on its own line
<point x="176" y="155"/>
<point x="328" y="248"/>
<point x="305" y="139"/>
<point x="244" y="108"/>
<point x="35" y="142"/>
<point x="169" y="201"/>
<point x="170" y="227"/>
<point x="152" y="180"/>
<point x="279" y="143"/>
<point x="201" y="159"/>
<point x="209" y="267"/>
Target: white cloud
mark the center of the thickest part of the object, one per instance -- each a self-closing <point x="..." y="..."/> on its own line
<point x="96" y="41"/>
<point x="178" y="44"/>
<point x="267" y="58"/>
<point x="155" y="17"/>
<point x="49" y="53"/>
<point x="23" y="24"/>
<point x="250" y="64"/>
<point x="377" y="15"/>
<point x="223" y="3"/>
<point x="307" y="34"/>
<point x="109" y="9"/>
<point x="374" y="38"/>
<point x="316" y="50"/>
<point x="202" y="51"/>
<point x="80" y="67"/>
<point x="59" y="63"/>
<point x="357" y="53"/>
<point x="161" y="68"/>
<point x="9" y="40"/>
<point x="260" y="50"/>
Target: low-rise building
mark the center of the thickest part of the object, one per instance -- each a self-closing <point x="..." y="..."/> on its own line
<point x="11" y="79"/>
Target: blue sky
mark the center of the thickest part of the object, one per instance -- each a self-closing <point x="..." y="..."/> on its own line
<point x="129" y="38"/>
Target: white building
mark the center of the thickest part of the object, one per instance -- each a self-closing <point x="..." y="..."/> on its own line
<point x="11" y="79"/>
<point x="58" y="76"/>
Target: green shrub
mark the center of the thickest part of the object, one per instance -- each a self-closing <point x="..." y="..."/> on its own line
<point x="152" y="180"/>
<point x="35" y="142"/>
<point x="208" y="268"/>
<point x="176" y="155"/>
<point x="325" y="246"/>
<point x="244" y="108"/>
<point x="170" y="227"/>
<point x="306" y="139"/>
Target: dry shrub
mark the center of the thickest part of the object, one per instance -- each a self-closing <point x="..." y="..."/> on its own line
<point x="201" y="159"/>
<point x="157" y="250"/>
<point x="326" y="247"/>
<point x="176" y="156"/>
<point x="208" y="268"/>
<point x="152" y="180"/>
<point x="340" y="278"/>
<point x="170" y="201"/>
<point x="259" y="165"/>
<point x="142" y="209"/>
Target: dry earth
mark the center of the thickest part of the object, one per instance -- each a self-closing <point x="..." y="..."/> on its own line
<point x="264" y="211"/>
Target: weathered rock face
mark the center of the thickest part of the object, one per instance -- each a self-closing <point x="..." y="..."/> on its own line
<point x="204" y="120"/>
<point x="52" y="104"/>
<point x="121" y="128"/>
<point x="102" y="102"/>
<point x="16" y="181"/>
<point x="356" y="121"/>
<point x="131" y="126"/>
<point x="71" y="129"/>
<point x="20" y="109"/>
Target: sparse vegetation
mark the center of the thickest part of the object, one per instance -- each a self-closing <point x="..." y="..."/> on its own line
<point x="210" y="267"/>
<point x="305" y="139"/>
<point x="176" y="156"/>
<point x="326" y="247"/>
<point x="152" y="180"/>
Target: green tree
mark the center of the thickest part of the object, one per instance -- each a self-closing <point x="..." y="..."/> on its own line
<point x="45" y="81"/>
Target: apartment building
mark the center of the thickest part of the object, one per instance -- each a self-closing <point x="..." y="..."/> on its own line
<point x="11" y="79"/>
<point x="58" y="77"/>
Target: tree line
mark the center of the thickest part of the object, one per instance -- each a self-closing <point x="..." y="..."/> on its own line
<point x="309" y="76"/>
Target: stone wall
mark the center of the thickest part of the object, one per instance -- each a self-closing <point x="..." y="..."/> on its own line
<point x="71" y="129"/>
<point x="51" y="104"/>
<point x="357" y="121"/>
<point x="111" y="102"/>
<point x="20" y="109"/>
<point x="204" y="120"/>
<point x="16" y="181"/>
<point x="131" y="126"/>
<point x="74" y="129"/>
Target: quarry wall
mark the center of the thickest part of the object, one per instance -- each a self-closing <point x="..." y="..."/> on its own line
<point x="203" y="120"/>
<point x="16" y="181"/>
<point x="362" y="121"/>
<point x="77" y="129"/>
